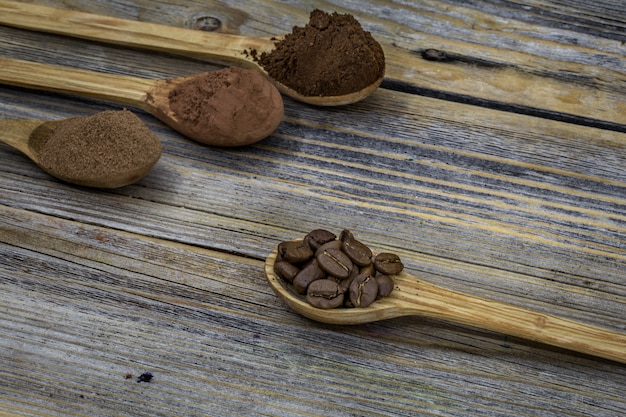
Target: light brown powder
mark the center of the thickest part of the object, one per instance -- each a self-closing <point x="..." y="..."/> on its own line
<point x="229" y="107"/>
<point x="89" y="150"/>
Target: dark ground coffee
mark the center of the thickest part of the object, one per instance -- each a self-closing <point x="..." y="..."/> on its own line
<point x="330" y="56"/>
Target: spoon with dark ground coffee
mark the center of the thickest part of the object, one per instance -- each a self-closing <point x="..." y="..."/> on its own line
<point x="110" y="149"/>
<point x="413" y="296"/>
<point x="331" y="61"/>
<point x="229" y="107"/>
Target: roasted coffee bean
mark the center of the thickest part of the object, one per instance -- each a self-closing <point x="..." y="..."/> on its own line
<point x="358" y="253"/>
<point x="388" y="264"/>
<point x="354" y="272"/>
<point x="295" y="252"/>
<point x="324" y="293"/>
<point x="334" y="262"/>
<point x="333" y="244"/>
<point x="363" y="291"/>
<point x="385" y="285"/>
<point x="334" y="272"/>
<point x="311" y="272"/>
<point x="318" y="237"/>
<point x="344" y="284"/>
<point x="285" y="270"/>
<point x="368" y="269"/>
<point x="345" y="235"/>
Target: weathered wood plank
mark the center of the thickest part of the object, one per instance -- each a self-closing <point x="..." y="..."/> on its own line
<point x="210" y="355"/>
<point x="166" y="275"/>
<point x="547" y="203"/>
<point x="509" y="59"/>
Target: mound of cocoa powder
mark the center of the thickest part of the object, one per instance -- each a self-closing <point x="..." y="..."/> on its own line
<point x="330" y="56"/>
<point x="229" y="107"/>
<point x="85" y="149"/>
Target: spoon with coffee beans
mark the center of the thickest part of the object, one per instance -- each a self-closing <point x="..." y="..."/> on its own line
<point x="328" y="279"/>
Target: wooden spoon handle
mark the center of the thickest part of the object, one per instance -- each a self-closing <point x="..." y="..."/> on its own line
<point x="434" y="301"/>
<point x="16" y="133"/>
<point x="117" y="88"/>
<point x="216" y="47"/>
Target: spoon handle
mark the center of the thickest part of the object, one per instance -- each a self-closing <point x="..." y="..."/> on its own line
<point x="215" y="47"/>
<point x="15" y="133"/>
<point x="431" y="300"/>
<point x="117" y="88"/>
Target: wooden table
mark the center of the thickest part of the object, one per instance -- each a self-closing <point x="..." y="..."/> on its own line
<point x="498" y="171"/>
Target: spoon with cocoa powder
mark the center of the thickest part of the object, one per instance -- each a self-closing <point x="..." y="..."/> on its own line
<point x="331" y="61"/>
<point x="413" y="296"/>
<point x="229" y="107"/>
<point x="110" y="149"/>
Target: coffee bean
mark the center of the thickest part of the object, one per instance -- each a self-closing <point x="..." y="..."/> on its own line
<point x="311" y="272"/>
<point x="334" y="262"/>
<point x="385" y="285"/>
<point x="324" y="293"/>
<point x="344" y="284"/>
<point x="334" y="272"/>
<point x="368" y="269"/>
<point x="318" y="237"/>
<point x="388" y="264"/>
<point x="285" y="270"/>
<point x="295" y="252"/>
<point x="358" y="253"/>
<point x="363" y="291"/>
<point x="333" y="244"/>
<point x="345" y="235"/>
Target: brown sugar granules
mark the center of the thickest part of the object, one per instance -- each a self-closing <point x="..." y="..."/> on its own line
<point x="88" y="150"/>
<point x="330" y="56"/>
<point x="229" y="107"/>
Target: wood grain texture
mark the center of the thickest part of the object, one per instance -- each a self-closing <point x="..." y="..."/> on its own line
<point x="500" y="173"/>
<point x="124" y="90"/>
<point x="504" y="56"/>
<point x="497" y="60"/>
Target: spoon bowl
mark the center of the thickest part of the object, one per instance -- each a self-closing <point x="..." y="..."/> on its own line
<point x="214" y="47"/>
<point x="413" y="296"/>
<point x="28" y="136"/>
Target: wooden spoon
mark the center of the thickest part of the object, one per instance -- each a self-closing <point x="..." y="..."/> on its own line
<point x="27" y="136"/>
<point x="413" y="296"/>
<point x="213" y="47"/>
<point x="148" y="94"/>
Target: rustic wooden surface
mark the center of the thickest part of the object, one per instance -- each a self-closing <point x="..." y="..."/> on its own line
<point x="499" y="171"/>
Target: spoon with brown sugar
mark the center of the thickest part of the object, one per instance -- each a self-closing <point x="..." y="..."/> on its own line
<point x="229" y="107"/>
<point x="413" y="296"/>
<point x="110" y="149"/>
<point x="331" y="61"/>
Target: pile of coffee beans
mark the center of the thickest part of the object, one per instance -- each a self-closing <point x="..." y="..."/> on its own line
<point x="336" y="271"/>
